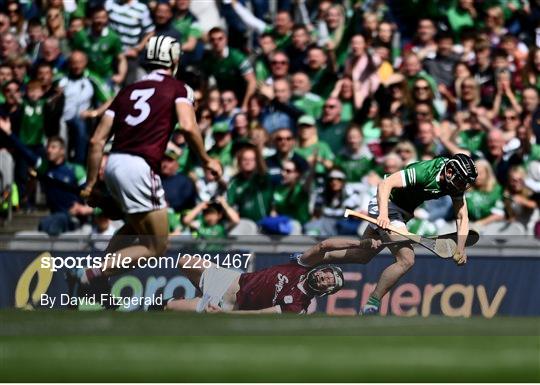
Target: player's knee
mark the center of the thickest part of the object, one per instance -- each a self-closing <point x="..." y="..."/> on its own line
<point x="406" y="262"/>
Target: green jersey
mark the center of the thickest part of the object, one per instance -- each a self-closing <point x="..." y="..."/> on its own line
<point x="323" y="151"/>
<point x="252" y="197"/>
<point x="333" y="134"/>
<point x="102" y="50"/>
<point x="282" y="41"/>
<point x="421" y="181"/>
<point x="188" y="26"/>
<point x="292" y="201"/>
<point x="481" y="204"/>
<point x="472" y="140"/>
<point x="229" y="69"/>
<point x="224" y="155"/>
<point x="355" y="167"/>
<point x="32" y="122"/>
<point x="310" y="103"/>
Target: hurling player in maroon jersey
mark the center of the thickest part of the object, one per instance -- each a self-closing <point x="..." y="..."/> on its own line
<point x="142" y="118"/>
<point x="283" y="288"/>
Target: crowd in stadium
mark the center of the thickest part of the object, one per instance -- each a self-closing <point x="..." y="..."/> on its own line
<point x="306" y="104"/>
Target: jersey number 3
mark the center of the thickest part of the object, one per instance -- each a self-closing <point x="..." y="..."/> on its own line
<point x="141" y="104"/>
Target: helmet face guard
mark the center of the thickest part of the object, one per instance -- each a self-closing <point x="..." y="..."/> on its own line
<point x="312" y="280"/>
<point x="463" y="176"/>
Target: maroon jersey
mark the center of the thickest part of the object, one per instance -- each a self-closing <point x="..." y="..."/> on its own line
<point x="277" y="285"/>
<point x="145" y="115"/>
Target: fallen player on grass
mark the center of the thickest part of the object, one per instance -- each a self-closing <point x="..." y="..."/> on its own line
<point x="283" y="288"/>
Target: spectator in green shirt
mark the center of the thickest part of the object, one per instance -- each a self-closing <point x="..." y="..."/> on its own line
<point x="321" y="72"/>
<point x="222" y="148"/>
<point x="103" y="48"/>
<point x="484" y="199"/>
<point x="330" y="127"/>
<point x="310" y="103"/>
<point x="315" y="151"/>
<point x="355" y="159"/>
<point x="291" y="197"/>
<point x="31" y="131"/>
<point x="230" y="68"/>
<point x="250" y="190"/>
<point x="190" y="29"/>
<point x="212" y="219"/>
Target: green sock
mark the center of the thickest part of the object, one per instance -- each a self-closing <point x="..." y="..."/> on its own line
<point x="374" y="301"/>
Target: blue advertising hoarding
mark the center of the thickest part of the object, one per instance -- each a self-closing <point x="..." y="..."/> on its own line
<point x="486" y="286"/>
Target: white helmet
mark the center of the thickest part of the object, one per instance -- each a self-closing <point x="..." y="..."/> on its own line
<point x="163" y="51"/>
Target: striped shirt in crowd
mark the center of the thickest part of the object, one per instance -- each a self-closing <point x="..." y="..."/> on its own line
<point x="131" y="20"/>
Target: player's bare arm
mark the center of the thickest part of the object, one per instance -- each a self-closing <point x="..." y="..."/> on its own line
<point x="95" y="152"/>
<point x="338" y="250"/>
<point x="383" y="195"/>
<point x="251" y="87"/>
<point x="462" y="225"/>
<point x="192" y="133"/>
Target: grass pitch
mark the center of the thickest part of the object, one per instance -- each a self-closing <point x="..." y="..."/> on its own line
<point x="110" y="346"/>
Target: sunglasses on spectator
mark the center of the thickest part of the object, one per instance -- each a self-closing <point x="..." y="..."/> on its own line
<point x="511" y="117"/>
<point x="330" y="106"/>
<point x="289" y="170"/>
<point x="422" y="113"/>
<point x="283" y="62"/>
<point x="283" y="138"/>
<point x="421" y="88"/>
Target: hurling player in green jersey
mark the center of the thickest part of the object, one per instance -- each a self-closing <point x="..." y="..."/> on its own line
<point x="399" y="194"/>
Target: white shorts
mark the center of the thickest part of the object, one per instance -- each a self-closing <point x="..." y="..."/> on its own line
<point x="214" y="284"/>
<point x="397" y="216"/>
<point x="134" y="184"/>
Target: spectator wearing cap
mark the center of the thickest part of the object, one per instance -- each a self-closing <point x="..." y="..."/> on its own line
<point x="303" y="98"/>
<point x="291" y="197"/>
<point x="222" y="148"/>
<point x="103" y="47"/>
<point x="230" y="68"/>
<point x="330" y="128"/>
<point x="354" y="158"/>
<point x="284" y="144"/>
<point x="330" y="206"/>
<point x="316" y="152"/>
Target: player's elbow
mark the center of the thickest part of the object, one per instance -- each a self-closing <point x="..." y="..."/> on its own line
<point x="97" y="142"/>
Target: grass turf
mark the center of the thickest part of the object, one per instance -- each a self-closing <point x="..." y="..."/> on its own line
<point x="109" y="346"/>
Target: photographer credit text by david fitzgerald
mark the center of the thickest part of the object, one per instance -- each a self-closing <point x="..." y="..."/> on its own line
<point x="98" y="299"/>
